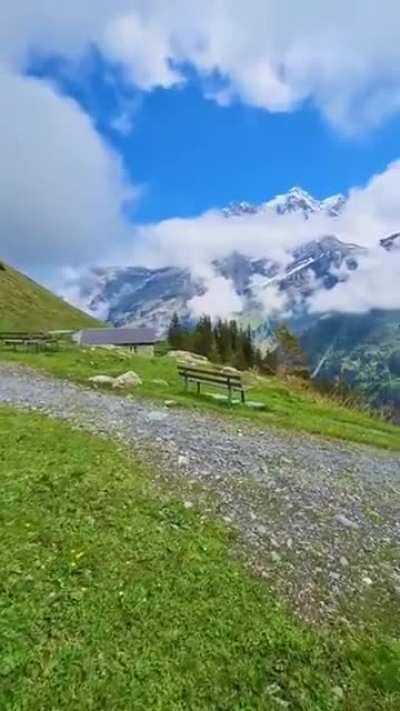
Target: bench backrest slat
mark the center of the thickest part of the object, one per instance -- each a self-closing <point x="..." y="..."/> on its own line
<point x="189" y="371"/>
<point x="217" y="381"/>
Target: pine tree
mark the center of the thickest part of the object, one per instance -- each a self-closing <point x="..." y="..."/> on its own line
<point x="214" y="355"/>
<point x="248" y="347"/>
<point x="258" y="358"/>
<point x="269" y="363"/>
<point x="291" y="356"/>
<point x="176" y="334"/>
<point x="203" y="337"/>
<point x="288" y="340"/>
<point x="234" y="334"/>
<point x="222" y="334"/>
<point x="239" y="359"/>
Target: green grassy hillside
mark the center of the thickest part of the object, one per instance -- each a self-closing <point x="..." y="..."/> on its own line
<point x="25" y="305"/>
<point x="115" y="596"/>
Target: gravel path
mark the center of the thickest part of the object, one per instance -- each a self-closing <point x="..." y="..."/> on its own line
<point x="318" y="519"/>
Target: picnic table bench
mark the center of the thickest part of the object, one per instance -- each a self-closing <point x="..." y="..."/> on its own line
<point x="35" y="339"/>
<point x="218" y="378"/>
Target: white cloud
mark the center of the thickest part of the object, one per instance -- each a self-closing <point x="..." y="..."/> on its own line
<point x="371" y="212"/>
<point x="272" y="300"/>
<point x="123" y="123"/>
<point x="374" y="286"/>
<point x="219" y="300"/>
<point x="196" y="242"/>
<point x="61" y="188"/>
<point x="270" y="53"/>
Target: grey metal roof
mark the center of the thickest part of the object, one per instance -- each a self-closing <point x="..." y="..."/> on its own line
<point x="118" y="336"/>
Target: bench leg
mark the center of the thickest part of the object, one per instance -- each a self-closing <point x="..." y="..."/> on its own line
<point x="243" y="397"/>
<point x="186" y="385"/>
<point x="230" y="395"/>
<point x="198" y="388"/>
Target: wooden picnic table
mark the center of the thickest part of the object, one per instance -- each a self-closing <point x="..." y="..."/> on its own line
<point x="36" y="339"/>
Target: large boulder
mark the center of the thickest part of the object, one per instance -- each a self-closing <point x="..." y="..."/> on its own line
<point x="127" y="380"/>
<point x="187" y="357"/>
<point x="228" y="370"/>
<point x="101" y="380"/>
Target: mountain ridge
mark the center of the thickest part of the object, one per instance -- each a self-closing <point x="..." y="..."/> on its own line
<point x="137" y="295"/>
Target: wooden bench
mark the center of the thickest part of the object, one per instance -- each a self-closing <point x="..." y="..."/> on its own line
<point x="231" y="381"/>
<point x="36" y="340"/>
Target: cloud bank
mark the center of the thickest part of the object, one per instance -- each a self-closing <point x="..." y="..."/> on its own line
<point x="60" y="187"/>
<point x="271" y="54"/>
<point x="63" y="190"/>
<point x="371" y="212"/>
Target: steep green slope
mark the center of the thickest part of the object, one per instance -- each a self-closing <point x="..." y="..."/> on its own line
<point x="363" y="350"/>
<point x="25" y="305"/>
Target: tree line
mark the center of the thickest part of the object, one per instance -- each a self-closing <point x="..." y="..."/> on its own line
<point x="227" y="342"/>
<point x="224" y="342"/>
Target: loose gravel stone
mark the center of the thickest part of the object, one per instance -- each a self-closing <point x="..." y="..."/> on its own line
<point x="344" y="521"/>
<point x="328" y="512"/>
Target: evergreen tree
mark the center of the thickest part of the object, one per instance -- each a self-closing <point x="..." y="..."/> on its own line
<point x="288" y="340"/>
<point x="239" y="359"/>
<point x="269" y="363"/>
<point x="203" y="337"/>
<point x="176" y="334"/>
<point x="292" y="358"/>
<point x="394" y="362"/>
<point x="248" y="347"/>
<point x="214" y="355"/>
<point x="222" y="334"/>
<point x="234" y="335"/>
<point x="258" y="358"/>
<point x="225" y="342"/>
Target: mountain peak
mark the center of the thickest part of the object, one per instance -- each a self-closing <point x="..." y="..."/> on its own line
<point x="235" y="209"/>
<point x="296" y="200"/>
<point x="297" y="191"/>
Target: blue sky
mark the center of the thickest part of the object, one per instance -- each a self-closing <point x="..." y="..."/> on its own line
<point x="190" y="154"/>
<point x="118" y="118"/>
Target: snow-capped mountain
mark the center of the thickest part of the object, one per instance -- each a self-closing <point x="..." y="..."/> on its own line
<point x="295" y="201"/>
<point x="139" y="296"/>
